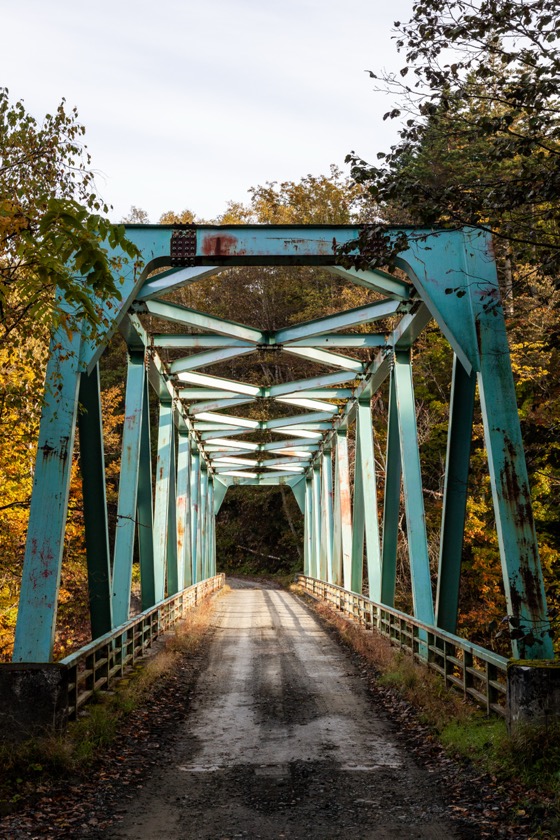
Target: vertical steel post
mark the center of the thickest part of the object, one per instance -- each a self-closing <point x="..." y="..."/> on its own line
<point x="202" y="557"/>
<point x="214" y="554"/>
<point x="145" y="508"/>
<point x="337" y="524"/>
<point x="455" y="496"/>
<point x="128" y="487"/>
<point x="210" y="527"/>
<point x="92" y="463"/>
<point x="358" y="521"/>
<point x="174" y="582"/>
<point x="308" y="529"/>
<point x="49" y="503"/>
<point x="328" y="528"/>
<point x="161" y="509"/>
<point x="323" y="528"/>
<point x="391" y="504"/>
<point x="342" y="552"/>
<point x="188" y="578"/>
<point x="412" y="484"/>
<point x="183" y="511"/>
<point x="195" y="513"/>
<point x="369" y="490"/>
<point x="316" y="558"/>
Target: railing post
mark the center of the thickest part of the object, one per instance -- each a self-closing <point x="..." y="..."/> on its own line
<point x="130" y="650"/>
<point x="448" y="667"/>
<point x="429" y="652"/>
<point x="90" y="663"/>
<point x="73" y="691"/>
<point x="491" y="693"/>
<point x="467" y="676"/>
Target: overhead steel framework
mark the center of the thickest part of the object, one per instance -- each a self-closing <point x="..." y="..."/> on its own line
<point x="207" y="442"/>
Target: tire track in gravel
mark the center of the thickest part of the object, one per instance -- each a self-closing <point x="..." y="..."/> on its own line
<point x="283" y="741"/>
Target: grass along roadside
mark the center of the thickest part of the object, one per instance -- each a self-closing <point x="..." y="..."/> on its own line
<point x="530" y="757"/>
<point x="29" y="766"/>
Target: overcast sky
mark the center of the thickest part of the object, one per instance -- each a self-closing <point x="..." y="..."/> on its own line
<point x="188" y="104"/>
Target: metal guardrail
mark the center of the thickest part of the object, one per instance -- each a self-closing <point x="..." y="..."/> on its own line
<point x="478" y="673"/>
<point x="96" y="665"/>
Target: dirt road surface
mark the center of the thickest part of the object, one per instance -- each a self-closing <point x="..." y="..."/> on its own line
<point x="283" y="741"/>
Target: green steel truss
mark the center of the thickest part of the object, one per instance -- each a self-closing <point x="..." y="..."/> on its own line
<point x="208" y="440"/>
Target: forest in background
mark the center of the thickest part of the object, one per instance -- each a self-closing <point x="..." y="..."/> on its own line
<point x="479" y="147"/>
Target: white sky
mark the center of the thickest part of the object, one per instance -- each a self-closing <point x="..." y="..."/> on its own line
<point x="188" y="104"/>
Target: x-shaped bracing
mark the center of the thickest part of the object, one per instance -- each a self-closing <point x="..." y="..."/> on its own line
<point x="211" y="435"/>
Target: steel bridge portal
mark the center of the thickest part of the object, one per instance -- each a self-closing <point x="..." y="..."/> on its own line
<point x="215" y="432"/>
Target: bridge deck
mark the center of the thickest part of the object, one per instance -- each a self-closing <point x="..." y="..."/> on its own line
<point x="283" y="741"/>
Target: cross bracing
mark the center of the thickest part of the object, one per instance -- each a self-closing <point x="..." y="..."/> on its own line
<point x="216" y="431"/>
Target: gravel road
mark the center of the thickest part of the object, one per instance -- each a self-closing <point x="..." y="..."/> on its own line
<point x="283" y="741"/>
